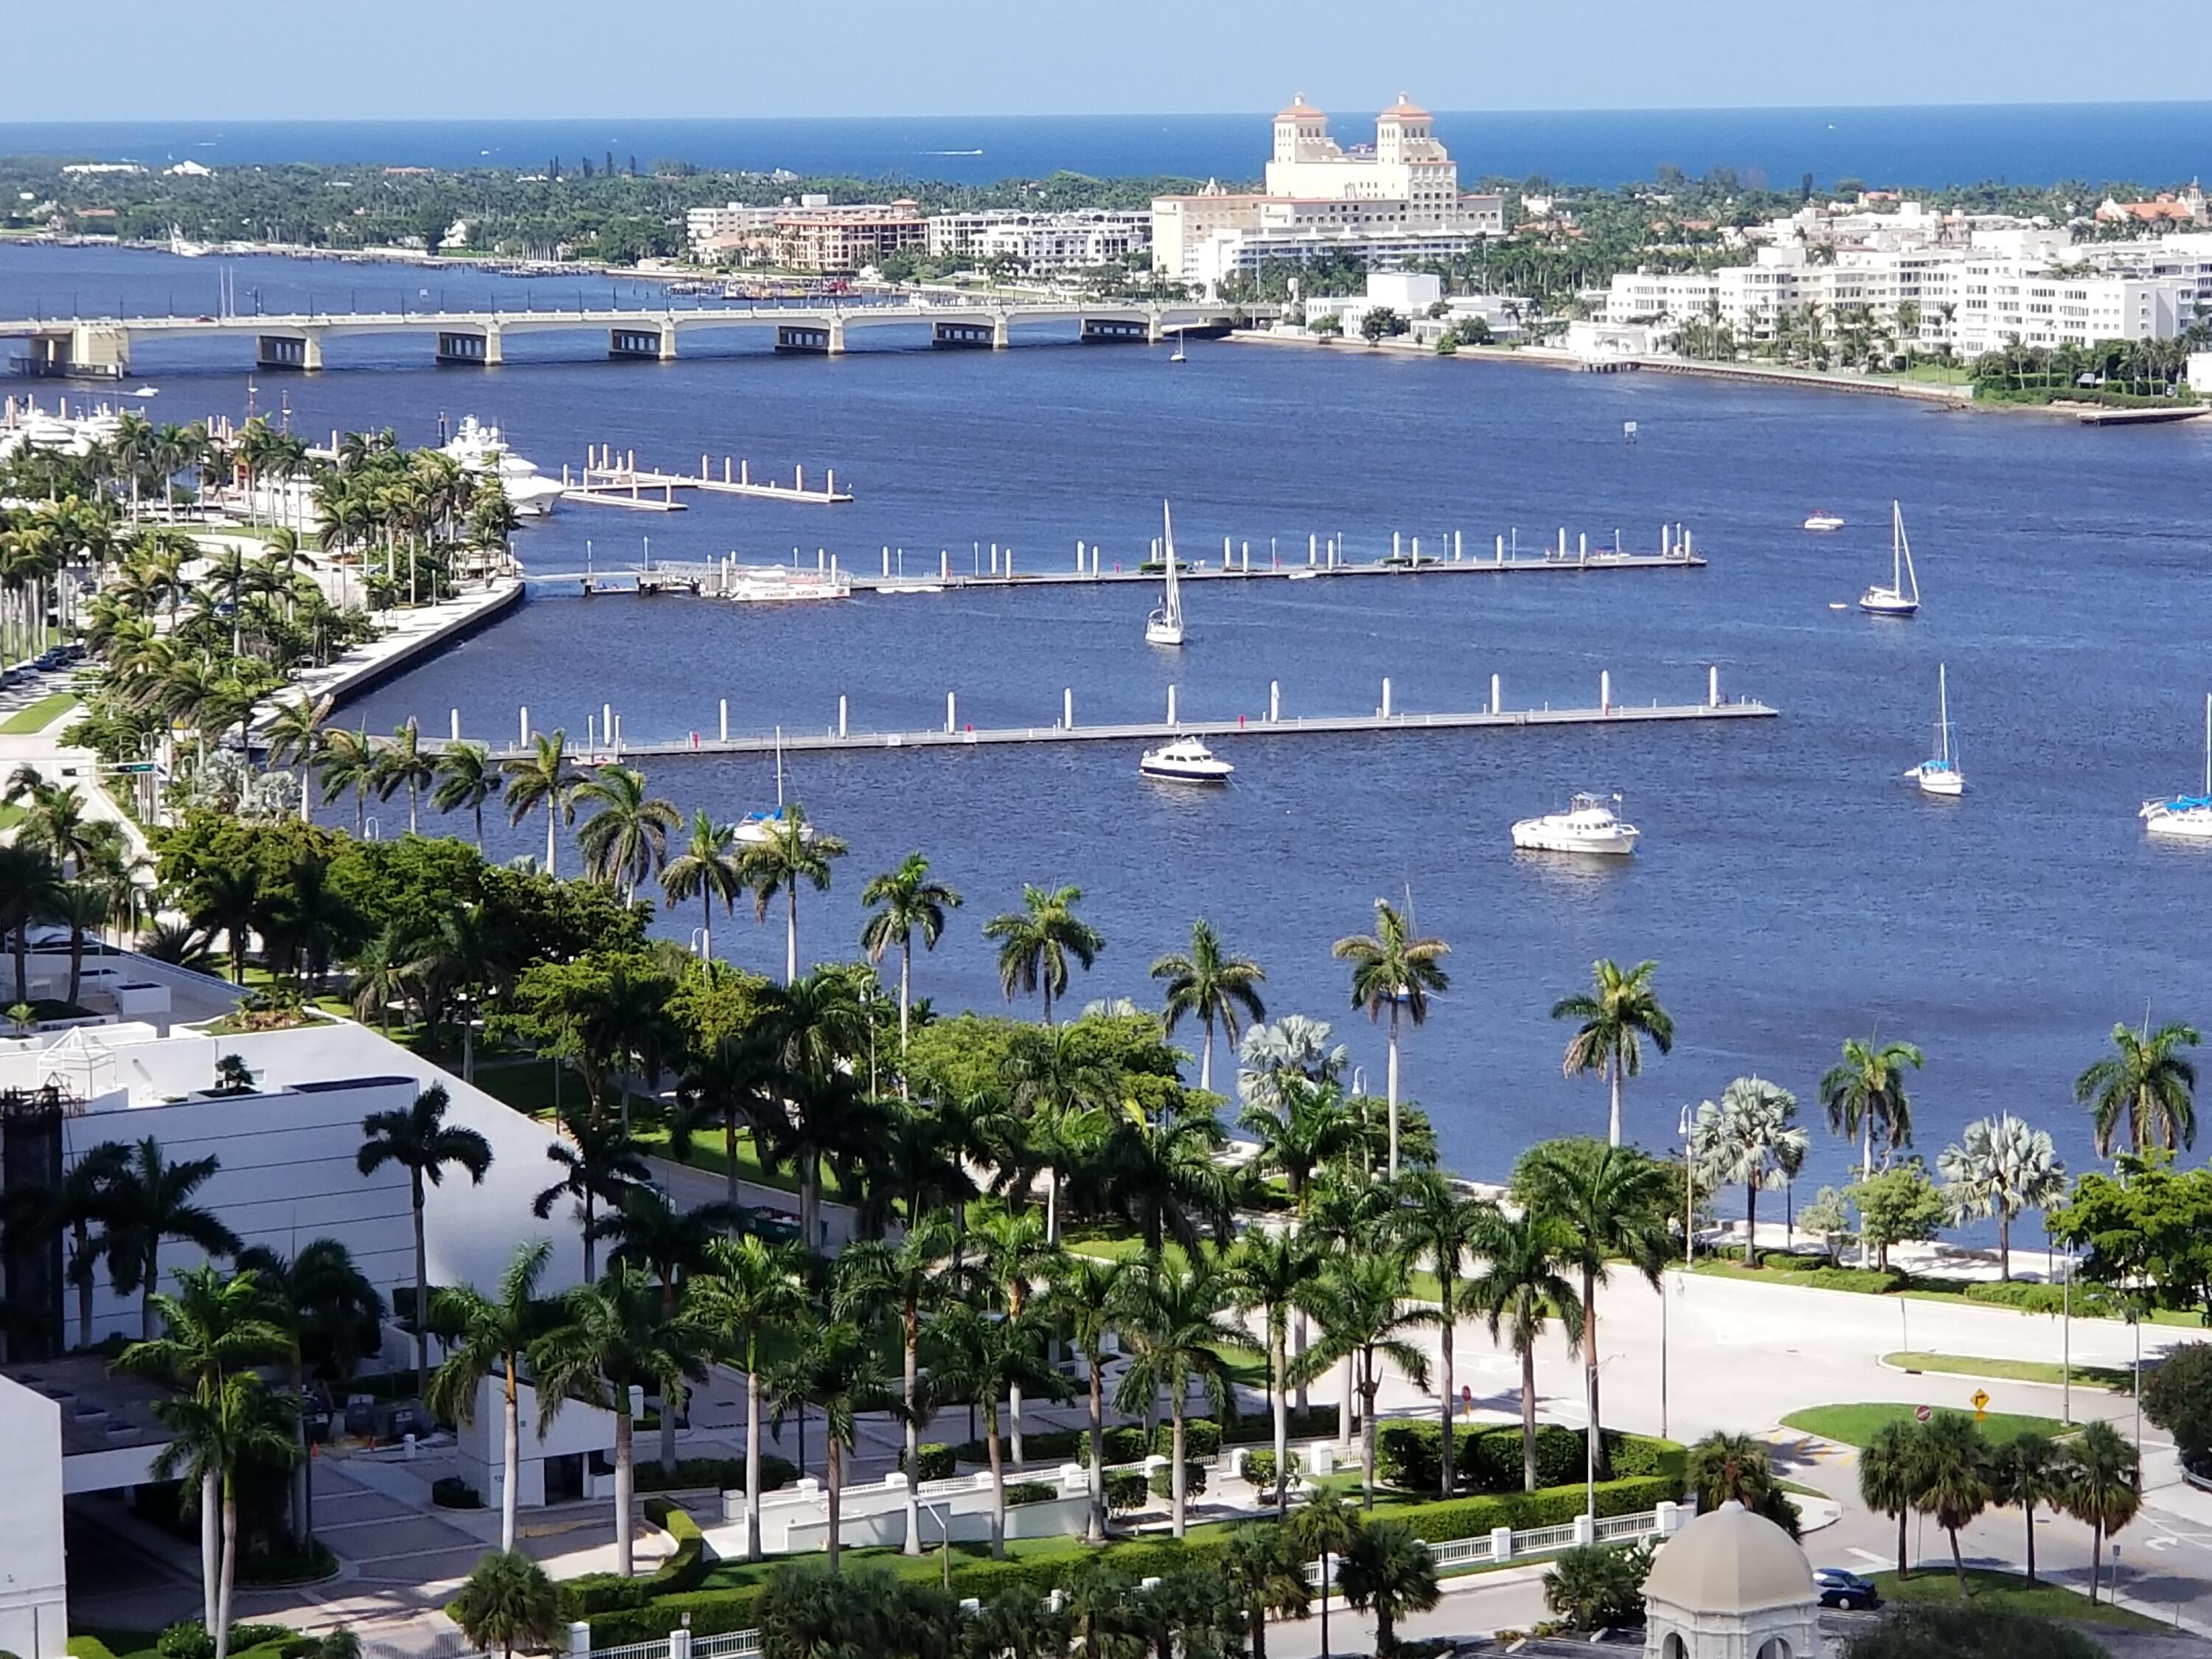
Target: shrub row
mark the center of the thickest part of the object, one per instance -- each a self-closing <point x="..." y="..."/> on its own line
<point x="1486" y="1458"/>
<point x="450" y="1492"/>
<point x="596" y="1593"/>
<point x="1555" y="1506"/>
<point x="716" y="1474"/>
<point x="938" y="1461"/>
<point x="1031" y="1492"/>
<point x="1194" y="1481"/>
<point x="1203" y="1437"/>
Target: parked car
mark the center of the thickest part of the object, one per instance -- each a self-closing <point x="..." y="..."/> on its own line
<point x="1845" y="1591"/>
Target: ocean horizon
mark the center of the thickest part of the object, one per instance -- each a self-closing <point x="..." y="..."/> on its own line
<point x="1923" y="146"/>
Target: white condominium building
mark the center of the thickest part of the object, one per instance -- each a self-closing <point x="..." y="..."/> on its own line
<point x="1043" y="241"/>
<point x="1399" y="200"/>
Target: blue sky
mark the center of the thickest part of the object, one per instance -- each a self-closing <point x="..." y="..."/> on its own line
<point x="415" y="59"/>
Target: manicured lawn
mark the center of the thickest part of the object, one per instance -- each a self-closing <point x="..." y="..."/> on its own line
<point x="1855" y="1424"/>
<point x="737" y="1575"/>
<point x="1932" y="1584"/>
<point x="39" y="715"/>
<point x="1871" y="1283"/>
<point x="2012" y="1370"/>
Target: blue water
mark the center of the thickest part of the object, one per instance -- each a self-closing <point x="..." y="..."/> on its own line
<point x="1920" y="145"/>
<point x="1792" y="888"/>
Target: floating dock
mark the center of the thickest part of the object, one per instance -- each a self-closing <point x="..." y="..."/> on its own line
<point x="613" y="478"/>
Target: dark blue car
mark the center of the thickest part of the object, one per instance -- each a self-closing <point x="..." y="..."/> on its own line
<point x="1845" y="1591"/>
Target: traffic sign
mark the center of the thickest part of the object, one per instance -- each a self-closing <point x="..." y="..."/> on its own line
<point x="1981" y="1400"/>
<point x="1921" y="1412"/>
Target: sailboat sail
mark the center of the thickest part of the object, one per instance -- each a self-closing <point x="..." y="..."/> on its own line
<point x="1165" y="625"/>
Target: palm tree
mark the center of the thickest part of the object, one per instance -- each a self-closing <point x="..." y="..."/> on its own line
<point x="466" y="780"/>
<point x="544" y="779"/>
<point x="709" y="867"/>
<point x="1617" y="1204"/>
<point x="216" y="1330"/>
<point x="71" y="1207"/>
<point x="731" y="1083"/>
<point x="903" y="903"/>
<point x="493" y="1333"/>
<point x="1061" y="1091"/>
<point x="380" y="975"/>
<point x="989" y="1359"/>
<point x="1037" y="942"/>
<point x="2000" y="1167"/>
<point x="1951" y="1477"/>
<point x="626" y="838"/>
<point x="1268" y="1571"/>
<point x="28" y="881"/>
<point x="1617" y="1013"/>
<point x="1750" y="1137"/>
<point x="1438" y="1223"/>
<point x="2102" y="1485"/>
<point x="1175" y="1330"/>
<point x="1014" y="1251"/>
<point x="1392" y="969"/>
<point x="1306" y="1127"/>
<point x="402" y="763"/>
<point x="2148" y="1082"/>
<point x="149" y="1200"/>
<point x="835" y="1370"/>
<point x="652" y="1233"/>
<point x="507" y="1603"/>
<point x="1276" y="1274"/>
<point x="749" y="1289"/>
<point x="216" y="1434"/>
<point x="602" y="1165"/>
<point x="1865" y="1091"/>
<point x="1211" y="986"/>
<point x="1389" y="1572"/>
<point x="795" y="852"/>
<point x="1084" y="1300"/>
<point x="2028" y="1471"/>
<point x="609" y="1335"/>
<point x="226" y="898"/>
<point x="419" y="1141"/>
<point x="918" y="1275"/>
<point x="82" y="907"/>
<point x="1363" y="1313"/>
<point x="1888" y="1477"/>
<point x="347" y="763"/>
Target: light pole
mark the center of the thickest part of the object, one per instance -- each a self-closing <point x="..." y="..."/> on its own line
<point x="2066" y="1341"/>
<point x="1682" y="1126"/>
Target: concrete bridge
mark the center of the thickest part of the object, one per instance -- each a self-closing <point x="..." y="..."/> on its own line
<point x="100" y="348"/>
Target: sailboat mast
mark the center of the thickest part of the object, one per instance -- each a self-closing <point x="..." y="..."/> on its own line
<point x="1943" y="712"/>
<point x="1167" y="527"/>
<point x="2208" y="745"/>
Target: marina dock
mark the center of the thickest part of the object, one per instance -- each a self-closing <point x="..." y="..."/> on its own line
<point x="613" y="478"/>
<point x="604" y="742"/>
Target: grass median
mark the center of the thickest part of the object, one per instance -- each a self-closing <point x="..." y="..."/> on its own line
<point x="1857" y="1425"/>
<point x="1938" y="1584"/>
<point x="2109" y="1378"/>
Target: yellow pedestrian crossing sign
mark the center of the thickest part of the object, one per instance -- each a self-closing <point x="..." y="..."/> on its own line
<point x="1981" y="1404"/>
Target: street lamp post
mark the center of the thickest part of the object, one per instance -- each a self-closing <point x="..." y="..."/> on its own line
<point x="1682" y="1125"/>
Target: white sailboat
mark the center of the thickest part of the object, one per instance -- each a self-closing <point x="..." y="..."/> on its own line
<point x="1165" y="625"/>
<point x="1938" y="774"/>
<point x="1902" y="597"/>
<point x="1178" y="356"/>
<point x="2186" y="818"/>
<point x="758" y="828"/>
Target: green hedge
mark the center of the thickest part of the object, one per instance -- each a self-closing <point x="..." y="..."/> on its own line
<point x="1203" y="1437"/>
<point x="1486" y="1457"/>
<point x="716" y="1474"/>
<point x="1555" y="1506"/>
<point x="938" y="1461"/>
<point x="1126" y="1490"/>
<point x="1259" y="1468"/>
<point x="1194" y="1481"/>
<point x="595" y="1595"/>
<point x="1031" y="1492"/>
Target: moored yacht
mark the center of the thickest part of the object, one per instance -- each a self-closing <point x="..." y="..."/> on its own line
<point x="1824" y="520"/>
<point x="1902" y="597"/>
<point x="1588" y="825"/>
<point x="1185" y="761"/>
<point x="483" y="450"/>
<point x="1939" y="773"/>
<point x="2185" y="817"/>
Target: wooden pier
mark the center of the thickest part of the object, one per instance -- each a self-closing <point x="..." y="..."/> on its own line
<point x="613" y="478"/>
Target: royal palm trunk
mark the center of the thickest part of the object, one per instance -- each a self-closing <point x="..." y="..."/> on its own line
<point x="1282" y="1408"/>
<point x="1177" y="1474"/>
<point x="511" y="1457"/>
<point x="222" y="1627"/>
<point x="910" y="1369"/>
<point x="625" y="1484"/>
<point x="1528" y="1418"/>
<point x="752" y="1450"/>
<point x="210" y="1547"/>
<point x="1096" y="1533"/>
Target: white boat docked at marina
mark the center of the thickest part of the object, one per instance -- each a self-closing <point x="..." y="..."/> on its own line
<point x="777" y="584"/>
<point x="1588" y="825"/>
<point x="483" y="450"/>
<point x="1902" y="597"/>
<point x="1165" y="625"/>
<point x="1185" y="761"/>
<point x="758" y="828"/>
<point x="1939" y="773"/>
<point x="2185" y="817"/>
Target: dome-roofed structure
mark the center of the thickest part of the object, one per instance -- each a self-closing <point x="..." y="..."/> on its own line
<point x="1731" y="1585"/>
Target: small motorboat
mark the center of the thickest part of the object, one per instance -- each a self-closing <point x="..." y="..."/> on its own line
<point x="1824" y="520"/>
<point x="1588" y="825"/>
<point x="1185" y="761"/>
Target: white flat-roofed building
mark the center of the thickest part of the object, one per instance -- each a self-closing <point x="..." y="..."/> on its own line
<point x="1072" y="240"/>
<point x="1397" y="202"/>
<point x="705" y="228"/>
<point x="34" y="1585"/>
<point x="2004" y="302"/>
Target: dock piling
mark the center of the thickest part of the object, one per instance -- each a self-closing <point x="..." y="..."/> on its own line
<point x="725" y="720"/>
<point x="841" y="713"/>
<point x="951" y="714"/>
<point x="1496" y="707"/>
<point x="1313" y="550"/>
<point x="1171" y="714"/>
<point x="1386" y="697"/>
<point x="525" y="726"/>
<point x="457" y="725"/>
<point x="1274" y="701"/>
<point x="944" y="566"/>
<point x="1067" y="708"/>
<point x="1713" y="685"/>
<point x="1604" y="690"/>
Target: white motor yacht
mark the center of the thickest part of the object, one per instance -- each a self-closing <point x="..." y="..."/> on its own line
<point x="777" y="584"/>
<point x="1588" y="825"/>
<point x="1824" y="520"/>
<point x="1902" y="597"/>
<point x="2186" y="818"/>
<point x="1185" y="761"/>
<point x="1939" y="773"/>
<point x="483" y="450"/>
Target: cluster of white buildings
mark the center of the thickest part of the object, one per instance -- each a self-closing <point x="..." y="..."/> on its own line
<point x="1975" y="283"/>
<point x="812" y="234"/>
<point x="1388" y="204"/>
